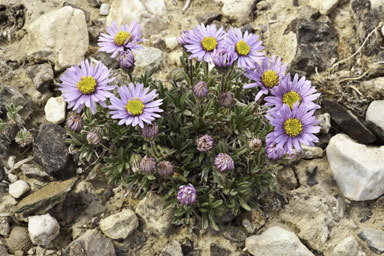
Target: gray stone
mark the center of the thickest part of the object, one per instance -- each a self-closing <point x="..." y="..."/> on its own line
<point x="348" y="247"/>
<point x="19" y="239"/>
<point x="171" y="42"/>
<point x="34" y="171"/>
<point x="42" y="76"/>
<point x="45" y="198"/>
<point x="325" y="7"/>
<point x="287" y="179"/>
<point x="172" y="249"/>
<point x="91" y="242"/>
<point x="5" y="228"/>
<point x="47" y="42"/>
<point x="234" y="234"/>
<point x="86" y="13"/>
<point x="9" y="95"/>
<point x="107" y="60"/>
<point x="375" y="117"/>
<point x="43" y="229"/>
<point x="308" y="12"/>
<point x="18" y="188"/>
<point x="311" y="152"/>
<point x="218" y="250"/>
<point x="238" y="10"/>
<point x="155" y="217"/>
<point x="104" y="9"/>
<point x="119" y="225"/>
<point x="276" y="241"/>
<point x="348" y="122"/>
<point x="50" y="149"/>
<point x="374" y="86"/>
<point x="325" y="122"/>
<point x="208" y="17"/>
<point x="148" y="58"/>
<point x="374" y="238"/>
<point x="55" y="110"/>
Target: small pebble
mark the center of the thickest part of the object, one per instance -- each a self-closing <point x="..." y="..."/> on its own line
<point x="18" y="188"/>
<point x="104" y="9"/>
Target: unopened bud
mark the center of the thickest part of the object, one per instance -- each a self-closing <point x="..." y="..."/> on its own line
<point x="94" y="136"/>
<point x="74" y="122"/>
<point x="150" y="131"/>
<point x="226" y="99"/>
<point x="165" y="168"/>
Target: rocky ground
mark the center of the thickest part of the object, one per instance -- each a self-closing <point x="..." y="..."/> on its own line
<point x="329" y="201"/>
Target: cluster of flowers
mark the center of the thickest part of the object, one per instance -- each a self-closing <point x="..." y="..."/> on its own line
<point x="291" y="101"/>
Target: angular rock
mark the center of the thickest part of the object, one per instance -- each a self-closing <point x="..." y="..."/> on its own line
<point x="119" y="225"/>
<point x="238" y="10"/>
<point x="155" y="217"/>
<point x="34" y="171"/>
<point x="106" y="59"/>
<point x="104" y="9"/>
<point x="308" y="12"/>
<point x="18" y="188"/>
<point x="42" y="76"/>
<point x="348" y="122"/>
<point x="325" y="122"/>
<point x="50" y="149"/>
<point x="311" y="152"/>
<point x="150" y="14"/>
<point x="91" y="242"/>
<point x="42" y="229"/>
<point x="234" y="234"/>
<point x="364" y="23"/>
<point x="375" y="118"/>
<point x="8" y="95"/>
<point x="276" y="241"/>
<point x="54" y="33"/>
<point x="45" y="198"/>
<point x="317" y="44"/>
<point x="374" y="238"/>
<point x="172" y="249"/>
<point x="171" y="42"/>
<point x="357" y="169"/>
<point x="148" y="58"/>
<point x="325" y="7"/>
<point x="208" y="18"/>
<point x="19" y="240"/>
<point x="218" y="250"/>
<point x="55" y="110"/>
<point x="86" y="13"/>
<point x="5" y="228"/>
<point x="348" y="247"/>
<point x="286" y="177"/>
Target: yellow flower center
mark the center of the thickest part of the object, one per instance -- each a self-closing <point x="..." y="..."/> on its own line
<point x="209" y="43"/>
<point x="290" y="98"/>
<point x="135" y="107"/>
<point x="121" y="37"/>
<point x="293" y="127"/>
<point x="87" y="85"/>
<point x="270" y="79"/>
<point x="242" y="48"/>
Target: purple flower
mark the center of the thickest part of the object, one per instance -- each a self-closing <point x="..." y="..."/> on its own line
<point x="119" y="39"/>
<point x="273" y="152"/>
<point x="86" y="86"/>
<point x="135" y="105"/>
<point x="127" y="60"/>
<point x="74" y="122"/>
<point x="293" y="127"/>
<point x="247" y="48"/>
<point x="184" y="37"/>
<point x="204" y="40"/>
<point x="204" y="143"/>
<point x="224" y="162"/>
<point x="165" y="168"/>
<point x="200" y="89"/>
<point x="147" y="165"/>
<point x="223" y="59"/>
<point x="289" y="92"/>
<point x="94" y="136"/>
<point x="186" y="194"/>
<point x="150" y="131"/>
<point x="267" y="76"/>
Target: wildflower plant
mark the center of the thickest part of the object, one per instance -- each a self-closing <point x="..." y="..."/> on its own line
<point x="202" y="142"/>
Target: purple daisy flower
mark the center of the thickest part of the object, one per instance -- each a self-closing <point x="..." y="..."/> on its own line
<point x="86" y="85"/>
<point x="224" y="162"/>
<point x="204" y="40"/>
<point x="186" y="194"/>
<point x="136" y="105"/>
<point x="293" y="127"/>
<point x="223" y="59"/>
<point x="247" y="48"/>
<point x="289" y="92"/>
<point x="267" y="76"/>
<point x="119" y="39"/>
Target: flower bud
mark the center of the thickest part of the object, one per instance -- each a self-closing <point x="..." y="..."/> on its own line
<point x="150" y="131"/>
<point x="226" y="99"/>
<point x="165" y="168"/>
<point x="223" y="59"/>
<point x="94" y="136"/>
<point x="200" y="89"/>
<point x="186" y="194"/>
<point x="204" y="143"/>
<point x="74" y="123"/>
<point x="127" y="60"/>
<point x="255" y="144"/>
<point x="147" y="165"/>
<point x="224" y="162"/>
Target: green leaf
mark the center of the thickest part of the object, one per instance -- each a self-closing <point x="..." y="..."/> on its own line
<point x="244" y="204"/>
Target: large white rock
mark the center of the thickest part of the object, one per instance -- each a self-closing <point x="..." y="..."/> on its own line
<point x="358" y="169"/>
<point x="60" y="36"/>
<point x="324" y="6"/>
<point x="42" y="229"/>
<point x="119" y="225"/>
<point x="55" y="110"/>
<point x="148" y="58"/>
<point x="276" y="241"/>
<point x="18" y="188"/>
<point x="348" y="247"/>
<point x="237" y="9"/>
<point x="375" y="117"/>
<point x="151" y="14"/>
